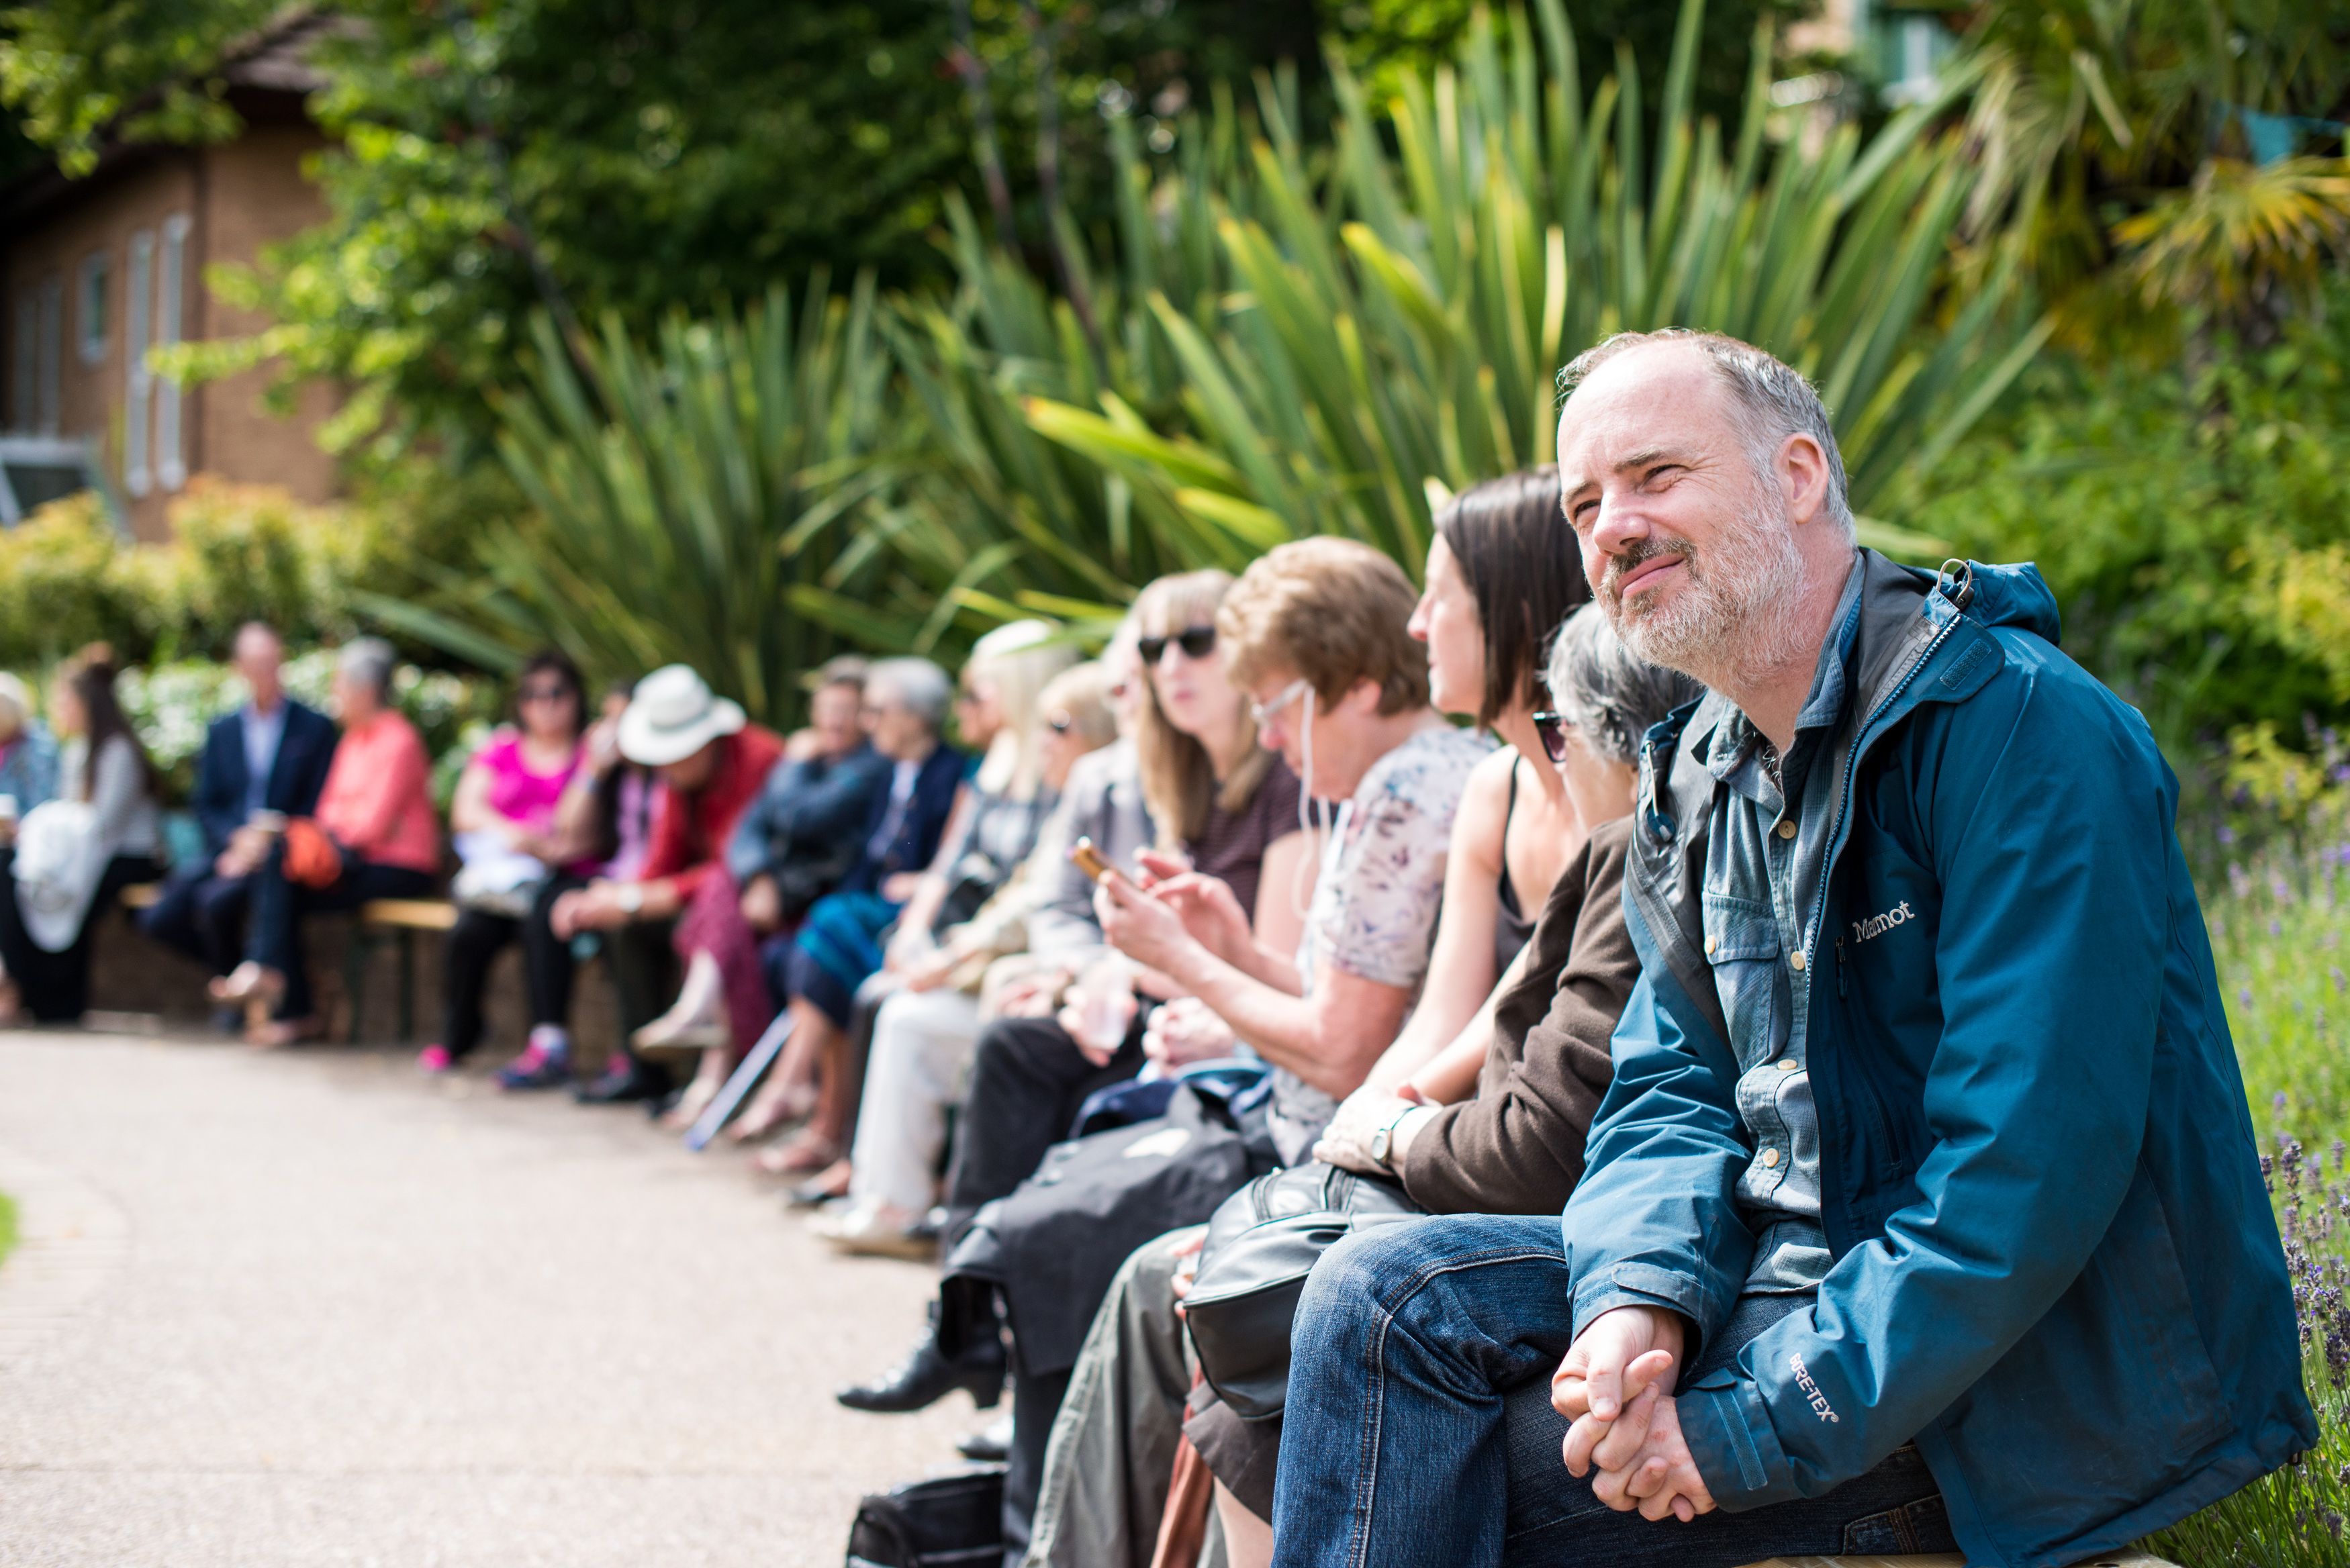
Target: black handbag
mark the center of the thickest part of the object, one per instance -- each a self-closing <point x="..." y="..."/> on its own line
<point x="953" y="1521"/>
<point x="1261" y="1245"/>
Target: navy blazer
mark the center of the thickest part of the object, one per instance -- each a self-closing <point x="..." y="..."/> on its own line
<point x="304" y="750"/>
<point x="917" y="836"/>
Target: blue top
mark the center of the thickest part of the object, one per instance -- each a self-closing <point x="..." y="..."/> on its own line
<point x="261" y="734"/>
<point x="29" y="766"/>
<point x="902" y="834"/>
<point x="2053" y="1263"/>
<point x="801" y="827"/>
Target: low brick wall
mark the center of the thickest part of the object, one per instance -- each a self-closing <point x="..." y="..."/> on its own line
<point x="132" y="974"/>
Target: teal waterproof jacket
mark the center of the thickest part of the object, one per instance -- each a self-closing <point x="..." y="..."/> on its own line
<point x="2055" y="1267"/>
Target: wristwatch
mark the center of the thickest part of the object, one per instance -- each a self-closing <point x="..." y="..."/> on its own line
<point x="630" y="897"/>
<point x="1383" y="1140"/>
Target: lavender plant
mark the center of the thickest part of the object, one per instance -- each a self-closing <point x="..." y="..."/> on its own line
<point x="2295" y="1517"/>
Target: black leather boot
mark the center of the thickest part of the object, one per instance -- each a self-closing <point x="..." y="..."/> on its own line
<point x="928" y="1375"/>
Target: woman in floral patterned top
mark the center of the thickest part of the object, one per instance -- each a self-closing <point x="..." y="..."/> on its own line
<point x="1317" y="637"/>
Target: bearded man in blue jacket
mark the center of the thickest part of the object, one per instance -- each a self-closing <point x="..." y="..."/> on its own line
<point x="1923" y="1211"/>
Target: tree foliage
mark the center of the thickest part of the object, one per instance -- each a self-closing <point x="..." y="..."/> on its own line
<point x="2191" y="522"/>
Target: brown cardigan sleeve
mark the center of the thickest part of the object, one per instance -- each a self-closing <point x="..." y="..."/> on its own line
<point x="1517" y="1147"/>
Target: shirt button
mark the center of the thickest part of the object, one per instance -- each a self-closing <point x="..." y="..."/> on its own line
<point x="1787" y="1063"/>
<point x="1711" y="943"/>
<point x="1787" y="827"/>
<point x="1770" y="1159"/>
<point x="1796" y="959"/>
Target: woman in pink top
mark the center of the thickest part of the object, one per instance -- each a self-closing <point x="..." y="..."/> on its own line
<point x="377" y="806"/>
<point x="506" y="808"/>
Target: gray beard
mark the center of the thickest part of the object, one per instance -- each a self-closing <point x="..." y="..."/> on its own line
<point x="1735" y="622"/>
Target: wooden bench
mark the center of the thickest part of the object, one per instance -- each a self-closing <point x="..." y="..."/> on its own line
<point x="376" y="922"/>
<point x="396" y="920"/>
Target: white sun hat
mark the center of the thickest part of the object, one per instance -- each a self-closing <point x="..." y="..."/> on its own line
<point x="673" y="715"/>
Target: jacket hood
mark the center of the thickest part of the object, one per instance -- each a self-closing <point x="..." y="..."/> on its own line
<point x="2015" y="596"/>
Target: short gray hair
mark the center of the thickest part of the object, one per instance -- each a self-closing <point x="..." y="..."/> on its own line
<point x="921" y="685"/>
<point x="369" y="660"/>
<point x="1610" y="694"/>
<point x="1771" y="398"/>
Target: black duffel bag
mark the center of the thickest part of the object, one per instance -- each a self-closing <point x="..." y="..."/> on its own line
<point x="1261" y="1245"/>
<point x="949" y="1522"/>
<point x="1054" y="1244"/>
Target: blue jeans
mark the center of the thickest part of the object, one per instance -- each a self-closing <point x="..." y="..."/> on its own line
<point x="1419" y="1431"/>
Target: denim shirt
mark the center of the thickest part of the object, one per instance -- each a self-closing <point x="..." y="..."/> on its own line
<point x="1762" y="876"/>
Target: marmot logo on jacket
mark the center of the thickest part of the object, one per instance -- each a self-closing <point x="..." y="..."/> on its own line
<point x="1901" y="914"/>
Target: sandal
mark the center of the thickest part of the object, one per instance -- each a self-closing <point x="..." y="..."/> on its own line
<point x="805" y="1152"/>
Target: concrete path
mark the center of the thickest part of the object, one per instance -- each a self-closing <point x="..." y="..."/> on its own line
<point x="308" y="1309"/>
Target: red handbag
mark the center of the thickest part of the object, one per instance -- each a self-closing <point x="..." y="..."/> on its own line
<point x="313" y="859"/>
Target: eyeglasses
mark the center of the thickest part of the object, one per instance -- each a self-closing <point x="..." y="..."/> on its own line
<point x="965" y="695"/>
<point x="1264" y="711"/>
<point x="1552" y="728"/>
<point x="555" y="693"/>
<point x="1196" y="641"/>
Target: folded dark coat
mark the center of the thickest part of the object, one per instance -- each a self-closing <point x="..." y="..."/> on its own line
<point x="1517" y="1146"/>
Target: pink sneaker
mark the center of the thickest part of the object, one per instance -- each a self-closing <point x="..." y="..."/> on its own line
<point x="435" y="1060"/>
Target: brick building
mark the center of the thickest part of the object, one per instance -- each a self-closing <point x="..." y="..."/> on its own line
<point x="94" y="271"/>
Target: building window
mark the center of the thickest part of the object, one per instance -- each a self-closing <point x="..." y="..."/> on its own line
<point x="51" y="403"/>
<point x="25" y="359"/>
<point x="171" y="295"/>
<point x="139" y="303"/>
<point x="89" y="308"/>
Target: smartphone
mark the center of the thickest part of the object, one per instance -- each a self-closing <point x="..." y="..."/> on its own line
<point x="1089" y="860"/>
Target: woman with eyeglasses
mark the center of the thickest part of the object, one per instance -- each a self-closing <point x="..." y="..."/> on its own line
<point x="501" y="820"/>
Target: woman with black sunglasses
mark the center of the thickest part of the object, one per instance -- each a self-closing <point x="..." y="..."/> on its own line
<point x="504" y="819"/>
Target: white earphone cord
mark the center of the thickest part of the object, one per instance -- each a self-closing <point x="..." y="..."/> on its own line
<point x="1301" y="905"/>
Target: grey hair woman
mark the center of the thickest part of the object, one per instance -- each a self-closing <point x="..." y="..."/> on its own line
<point x="374" y="834"/>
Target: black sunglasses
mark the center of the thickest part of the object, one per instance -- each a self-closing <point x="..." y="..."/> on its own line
<point x="554" y="693"/>
<point x="1196" y="641"/>
<point x="1552" y="728"/>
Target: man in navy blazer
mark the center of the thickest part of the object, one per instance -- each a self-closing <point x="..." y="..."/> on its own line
<point x="270" y="754"/>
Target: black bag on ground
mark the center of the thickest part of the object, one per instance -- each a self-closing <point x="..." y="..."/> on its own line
<point x="1261" y="1245"/>
<point x="1052" y="1245"/>
<point x="951" y="1522"/>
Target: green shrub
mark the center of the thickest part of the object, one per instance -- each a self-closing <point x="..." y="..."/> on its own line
<point x="237" y="553"/>
<point x="62" y="584"/>
<point x="2194" y="523"/>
